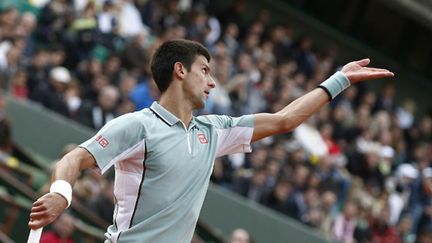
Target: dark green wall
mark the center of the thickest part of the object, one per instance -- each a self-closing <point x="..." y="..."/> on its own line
<point x="42" y="130"/>
<point x="228" y="211"/>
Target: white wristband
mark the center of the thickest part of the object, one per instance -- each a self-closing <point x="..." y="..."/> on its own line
<point x="337" y="83"/>
<point x="63" y="188"/>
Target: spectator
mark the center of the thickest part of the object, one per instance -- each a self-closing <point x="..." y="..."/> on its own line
<point x="421" y="200"/>
<point x="107" y="20"/>
<point x="252" y="186"/>
<point x="134" y="54"/>
<point x="73" y="99"/>
<point x="8" y="18"/>
<point x="53" y="95"/>
<point x="97" y="83"/>
<point x="239" y="236"/>
<point x="404" y="229"/>
<point x="230" y="38"/>
<point x="130" y="23"/>
<point x="345" y="223"/>
<point x="112" y="68"/>
<point x="386" y="100"/>
<point x="39" y="70"/>
<point x="196" y="239"/>
<point x="424" y="236"/>
<point x="300" y="203"/>
<point x="19" y="85"/>
<point x="142" y="95"/>
<point x="329" y="211"/>
<point x="27" y="25"/>
<point x="103" y="204"/>
<point x="11" y="64"/>
<point x="406" y="174"/>
<point x="258" y="67"/>
<point x="363" y="232"/>
<point x="382" y="231"/>
<point x="98" y="114"/>
<point x="277" y="198"/>
<point x="54" y="18"/>
<point x="405" y="114"/>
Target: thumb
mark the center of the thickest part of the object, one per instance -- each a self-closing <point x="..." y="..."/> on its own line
<point x="363" y="62"/>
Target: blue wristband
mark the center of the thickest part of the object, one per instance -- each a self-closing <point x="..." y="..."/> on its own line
<point x="334" y="85"/>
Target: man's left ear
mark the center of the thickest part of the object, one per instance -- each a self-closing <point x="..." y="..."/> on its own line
<point x="180" y="70"/>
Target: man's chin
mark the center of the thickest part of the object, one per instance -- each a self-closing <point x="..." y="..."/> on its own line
<point x="200" y="105"/>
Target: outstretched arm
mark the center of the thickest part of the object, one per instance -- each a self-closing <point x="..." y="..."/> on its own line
<point x="48" y="207"/>
<point x="268" y="124"/>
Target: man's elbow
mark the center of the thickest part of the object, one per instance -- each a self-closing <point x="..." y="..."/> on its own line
<point x="287" y="127"/>
<point x="285" y="123"/>
<point x="68" y="161"/>
<point x="79" y="158"/>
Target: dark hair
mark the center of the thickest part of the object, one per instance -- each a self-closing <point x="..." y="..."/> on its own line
<point x="170" y="52"/>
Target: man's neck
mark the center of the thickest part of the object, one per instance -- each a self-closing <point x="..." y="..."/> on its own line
<point x="177" y="106"/>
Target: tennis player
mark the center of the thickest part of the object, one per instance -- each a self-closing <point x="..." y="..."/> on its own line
<point x="163" y="155"/>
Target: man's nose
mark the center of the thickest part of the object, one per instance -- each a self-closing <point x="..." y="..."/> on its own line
<point x="212" y="82"/>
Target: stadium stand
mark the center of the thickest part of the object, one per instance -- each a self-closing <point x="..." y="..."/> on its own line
<point x="368" y="179"/>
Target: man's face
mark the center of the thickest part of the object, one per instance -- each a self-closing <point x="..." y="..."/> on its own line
<point x="198" y="82"/>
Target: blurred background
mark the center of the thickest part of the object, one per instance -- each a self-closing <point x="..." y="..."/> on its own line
<point x="357" y="171"/>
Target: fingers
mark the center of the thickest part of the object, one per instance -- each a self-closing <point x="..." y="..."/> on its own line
<point x="358" y="71"/>
<point x="363" y="62"/>
<point x="36" y="224"/>
<point x="37" y="203"/>
<point x="376" y="69"/>
<point x="361" y="76"/>
<point x="45" y="210"/>
<point x="41" y="219"/>
<point x="372" y="69"/>
<point x="38" y="215"/>
<point x="378" y="72"/>
<point x="38" y="208"/>
<point x="38" y="219"/>
<point x="377" y="75"/>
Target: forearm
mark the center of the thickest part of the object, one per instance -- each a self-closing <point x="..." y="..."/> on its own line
<point x="302" y="108"/>
<point x="268" y="124"/>
<point x="48" y="207"/>
<point x="69" y="168"/>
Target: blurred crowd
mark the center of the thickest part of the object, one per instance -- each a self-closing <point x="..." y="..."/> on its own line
<point x="357" y="171"/>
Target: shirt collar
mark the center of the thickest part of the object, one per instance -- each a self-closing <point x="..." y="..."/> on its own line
<point x="167" y="116"/>
<point x="193" y="123"/>
<point x="164" y="114"/>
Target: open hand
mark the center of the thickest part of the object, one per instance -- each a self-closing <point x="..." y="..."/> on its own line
<point x="46" y="209"/>
<point x="358" y="71"/>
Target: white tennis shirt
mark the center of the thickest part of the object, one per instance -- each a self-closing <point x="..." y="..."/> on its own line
<point x="162" y="169"/>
